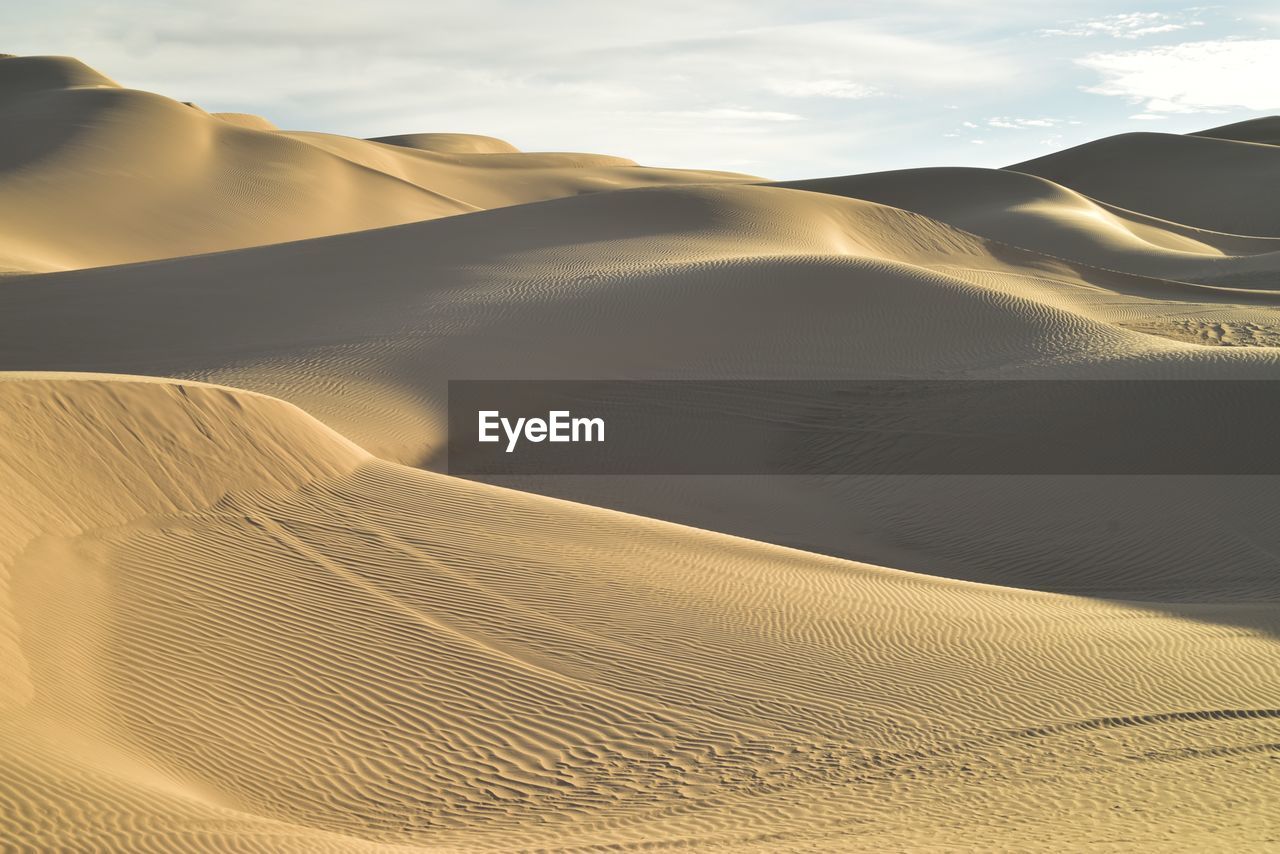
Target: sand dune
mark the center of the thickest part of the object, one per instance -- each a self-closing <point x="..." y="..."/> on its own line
<point x="1265" y="130"/>
<point x="712" y="282"/>
<point x="254" y="635"/>
<point x="247" y="120"/>
<point x="1214" y="183"/>
<point x="1037" y="214"/>
<point x="98" y="174"/>
<point x="449" y="143"/>
<point x="593" y="280"/>
<point x="242" y="609"/>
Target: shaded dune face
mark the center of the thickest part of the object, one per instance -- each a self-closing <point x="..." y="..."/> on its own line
<point x="256" y="633"/>
<point x="240" y="611"/>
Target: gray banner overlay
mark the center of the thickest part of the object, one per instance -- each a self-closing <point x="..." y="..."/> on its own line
<point x="863" y="427"/>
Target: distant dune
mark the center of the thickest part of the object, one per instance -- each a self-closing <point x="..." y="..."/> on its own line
<point x="243" y="608"/>
<point x="1208" y="182"/>
<point x="247" y="120"/>
<point x="1037" y="214"/>
<point x="102" y="175"/>
<point x="1265" y="130"/>
<point x="449" y="143"/>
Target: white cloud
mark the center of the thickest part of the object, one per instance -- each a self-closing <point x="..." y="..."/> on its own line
<point x="825" y="89"/>
<point x="794" y="87"/>
<point x="1129" y="25"/>
<point x="1022" y="124"/>
<point x="734" y="114"/>
<point x="1193" y="76"/>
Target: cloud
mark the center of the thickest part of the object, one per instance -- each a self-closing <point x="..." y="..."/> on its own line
<point x="797" y="87"/>
<point x="1129" y="25"/>
<point x="848" y="89"/>
<point x="732" y="113"/>
<point x="1194" y="76"/>
<point x="1022" y="124"/>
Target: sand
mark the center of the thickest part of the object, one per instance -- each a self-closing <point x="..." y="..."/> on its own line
<point x="241" y="606"/>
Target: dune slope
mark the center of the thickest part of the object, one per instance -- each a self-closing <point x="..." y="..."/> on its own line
<point x="255" y="636"/>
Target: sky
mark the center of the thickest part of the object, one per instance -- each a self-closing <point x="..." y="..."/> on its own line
<point x="778" y="88"/>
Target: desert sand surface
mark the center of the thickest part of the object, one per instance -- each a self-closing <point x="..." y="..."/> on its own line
<point x="242" y="606"/>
